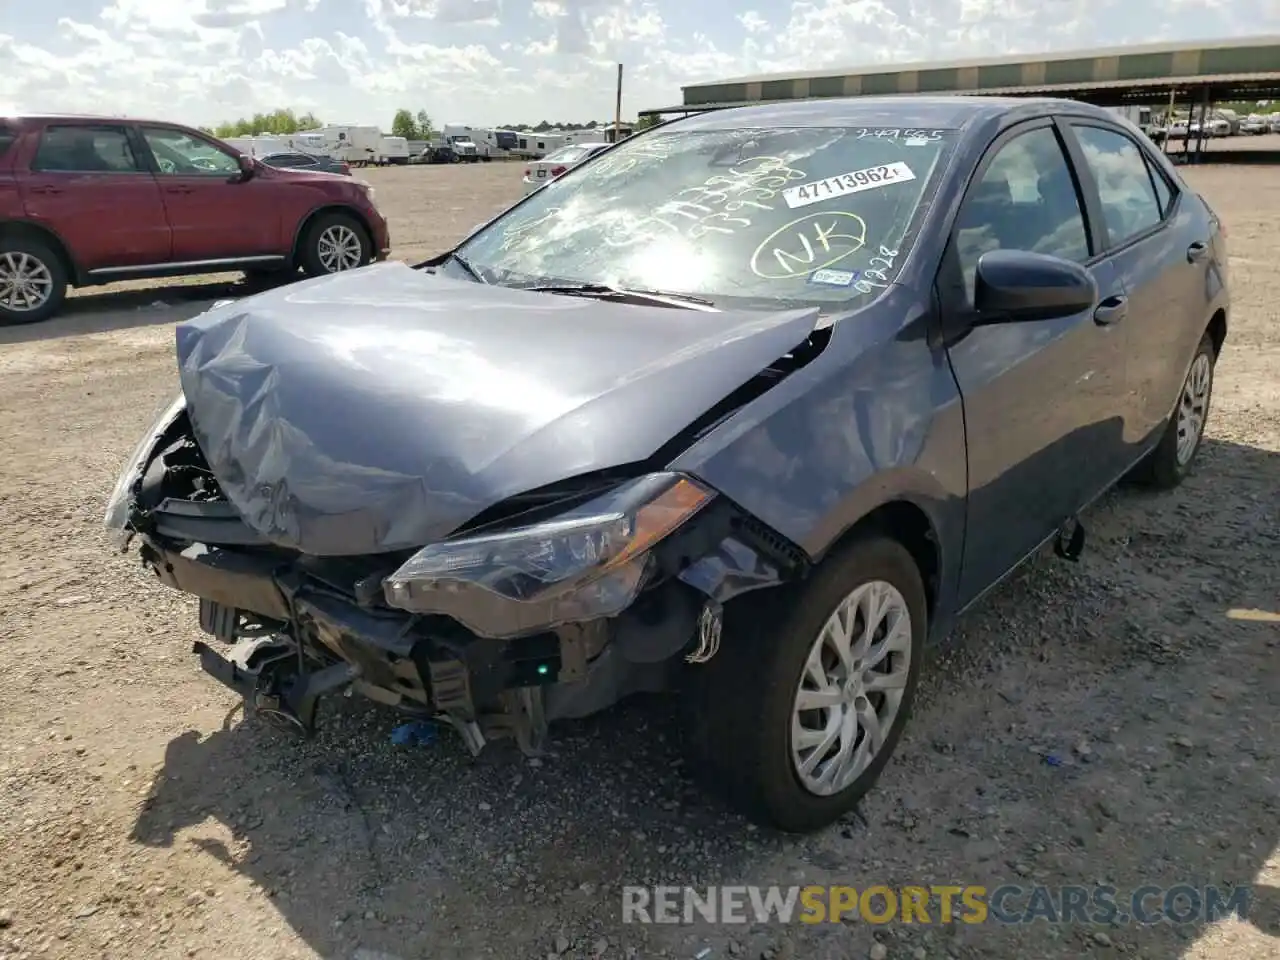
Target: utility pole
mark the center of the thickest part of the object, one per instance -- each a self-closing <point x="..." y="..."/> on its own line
<point x="617" y="109"/>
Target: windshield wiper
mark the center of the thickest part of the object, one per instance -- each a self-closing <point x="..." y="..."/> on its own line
<point x="465" y="264"/>
<point x="606" y="290"/>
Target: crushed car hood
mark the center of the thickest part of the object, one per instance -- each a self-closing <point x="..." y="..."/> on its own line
<point x="382" y="409"/>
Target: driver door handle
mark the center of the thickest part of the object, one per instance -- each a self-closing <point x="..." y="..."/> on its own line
<point x="1197" y="251"/>
<point x="177" y="189"/>
<point x="1111" y="310"/>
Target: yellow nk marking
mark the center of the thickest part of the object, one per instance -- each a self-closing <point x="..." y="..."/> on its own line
<point x="809" y="243"/>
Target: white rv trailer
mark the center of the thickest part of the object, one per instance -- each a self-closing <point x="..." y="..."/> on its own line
<point x="534" y="146"/>
<point x="393" y="150"/>
<point x="351" y="143"/>
<point x="243" y="144"/>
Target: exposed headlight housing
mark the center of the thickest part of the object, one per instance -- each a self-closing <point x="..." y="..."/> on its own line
<point x="117" y="515"/>
<point x="584" y="564"/>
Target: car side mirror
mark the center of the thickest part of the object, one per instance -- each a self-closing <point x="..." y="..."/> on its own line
<point x="1017" y="286"/>
<point x="246" y="167"/>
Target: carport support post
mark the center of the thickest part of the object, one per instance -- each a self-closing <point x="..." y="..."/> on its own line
<point x="617" y="109"/>
<point x="1168" y="120"/>
<point x="1204" y="119"/>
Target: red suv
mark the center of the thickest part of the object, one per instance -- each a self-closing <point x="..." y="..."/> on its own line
<point x="87" y="200"/>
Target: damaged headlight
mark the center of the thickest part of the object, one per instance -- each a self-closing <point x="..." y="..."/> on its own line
<point x="586" y="563"/>
<point x="117" y="514"/>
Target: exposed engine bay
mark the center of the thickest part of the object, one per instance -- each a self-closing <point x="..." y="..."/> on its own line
<point x="286" y="629"/>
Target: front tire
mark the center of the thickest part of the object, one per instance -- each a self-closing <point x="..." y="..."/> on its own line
<point x="33" y="281"/>
<point x="1172" y="459"/>
<point x="794" y="720"/>
<point x="335" y="243"/>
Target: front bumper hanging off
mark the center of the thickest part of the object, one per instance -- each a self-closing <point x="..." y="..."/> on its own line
<point x="286" y="697"/>
<point x="286" y="637"/>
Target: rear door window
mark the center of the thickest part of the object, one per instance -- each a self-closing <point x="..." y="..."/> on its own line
<point x="1130" y="204"/>
<point x="1164" y="192"/>
<point x="85" y="148"/>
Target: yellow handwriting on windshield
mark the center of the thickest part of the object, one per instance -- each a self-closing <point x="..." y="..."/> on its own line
<point x="748" y="185"/>
<point x="650" y="149"/>
<point x="514" y="234"/>
<point x="707" y="208"/>
<point x="808" y="243"/>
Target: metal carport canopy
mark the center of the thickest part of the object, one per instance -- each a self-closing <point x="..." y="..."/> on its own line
<point x="1213" y="71"/>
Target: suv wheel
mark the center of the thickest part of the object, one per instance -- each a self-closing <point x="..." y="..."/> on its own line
<point x="1170" y="462"/>
<point x="33" y="281"/>
<point x="335" y="242"/>
<point x="796" y="716"/>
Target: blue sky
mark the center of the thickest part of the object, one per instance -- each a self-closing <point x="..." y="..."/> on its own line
<point x="486" y="62"/>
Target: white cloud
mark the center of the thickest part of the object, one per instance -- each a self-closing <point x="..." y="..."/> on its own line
<point x="489" y="61"/>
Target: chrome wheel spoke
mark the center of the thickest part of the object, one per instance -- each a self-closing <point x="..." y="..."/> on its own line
<point x="1193" y="407"/>
<point x="26" y="283"/>
<point x="822" y="741"/>
<point x="339" y="249"/>
<point x="851" y="688"/>
<point x="819" y="699"/>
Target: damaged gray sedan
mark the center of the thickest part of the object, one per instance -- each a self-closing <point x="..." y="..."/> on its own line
<point x="750" y="407"/>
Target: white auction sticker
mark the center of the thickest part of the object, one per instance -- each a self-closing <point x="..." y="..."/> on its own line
<point x="853" y="182"/>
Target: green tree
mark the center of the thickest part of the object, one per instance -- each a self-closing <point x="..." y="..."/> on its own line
<point x="280" y="122"/>
<point x="403" y="125"/>
<point x="645" y="122"/>
<point x="406" y="124"/>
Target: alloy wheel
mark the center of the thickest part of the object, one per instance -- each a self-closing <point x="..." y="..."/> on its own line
<point x="1193" y="407"/>
<point x="851" y="688"/>
<point x="26" y="283"/>
<point x="339" y="249"/>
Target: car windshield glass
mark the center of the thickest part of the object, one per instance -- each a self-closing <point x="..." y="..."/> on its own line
<point x="811" y="215"/>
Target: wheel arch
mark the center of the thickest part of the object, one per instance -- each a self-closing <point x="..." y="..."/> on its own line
<point x="1217" y="330"/>
<point x="907" y="523"/>
<point x="305" y="224"/>
<point x="43" y="234"/>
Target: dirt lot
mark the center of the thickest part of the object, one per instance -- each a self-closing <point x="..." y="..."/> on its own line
<point x="1112" y="722"/>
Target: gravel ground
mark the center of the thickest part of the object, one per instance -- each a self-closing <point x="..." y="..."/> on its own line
<point x="1107" y="722"/>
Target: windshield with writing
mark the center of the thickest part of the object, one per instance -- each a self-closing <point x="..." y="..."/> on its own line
<point x="815" y="215"/>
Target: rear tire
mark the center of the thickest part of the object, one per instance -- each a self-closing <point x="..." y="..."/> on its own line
<point x="744" y="706"/>
<point x="33" y="281"/>
<point x="1171" y="461"/>
<point x="334" y="243"/>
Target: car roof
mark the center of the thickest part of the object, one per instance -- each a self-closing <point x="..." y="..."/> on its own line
<point x="19" y="118"/>
<point x="904" y="110"/>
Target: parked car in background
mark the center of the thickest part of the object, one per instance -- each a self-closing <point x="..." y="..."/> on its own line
<point x="86" y="201"/>
<point x="1253" y="125"/>
<point x="307" y="161"/>
<point x="752" y="407"/>
<point x="540" y="172"/>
